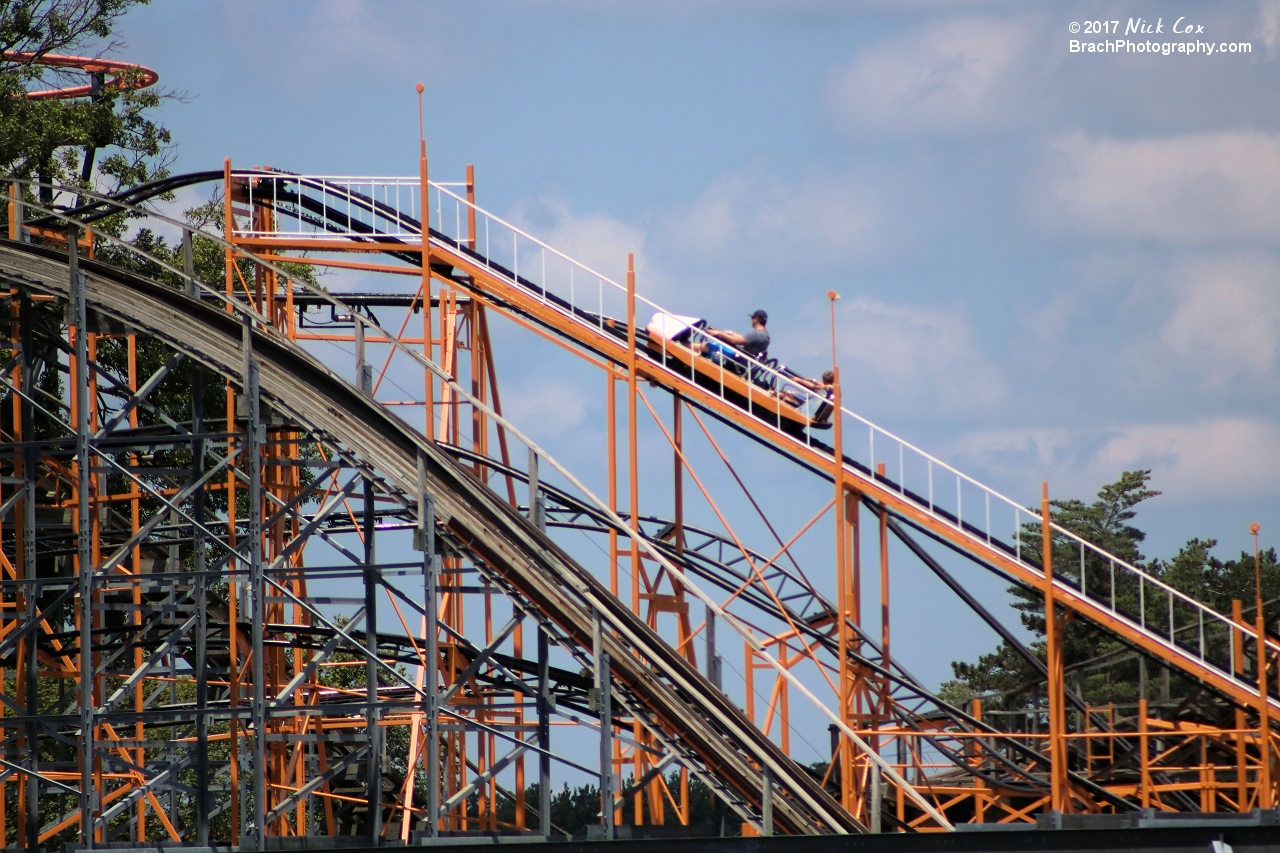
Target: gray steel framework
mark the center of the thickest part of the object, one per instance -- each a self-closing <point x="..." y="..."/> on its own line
<point x="288" y="395"/>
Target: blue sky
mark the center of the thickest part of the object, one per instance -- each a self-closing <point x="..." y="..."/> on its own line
<point x="1054" y="266"/>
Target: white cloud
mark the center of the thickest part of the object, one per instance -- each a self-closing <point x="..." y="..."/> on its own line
<point x="957" y="76"/>
<point x="315" y="46"/>
<point x="1191" y="188"/>
<point x="732" y="239"/>
<point x="752" y="210"/>
<point x="1269" y="25"/>
<point x="1218" y="457"/>
<point x="922" y="359"/>
<point x="1226" y="322"/>
<point x="545" y="407"/>
<point x="597" y="240"/>
<point x="593" y="240"/>
<point x="1207" y="459"/>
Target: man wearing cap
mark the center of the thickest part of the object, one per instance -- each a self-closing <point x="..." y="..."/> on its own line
<point x="754" y="343"/>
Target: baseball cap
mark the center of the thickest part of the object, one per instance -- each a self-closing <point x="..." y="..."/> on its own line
<point x="761" y="315"/>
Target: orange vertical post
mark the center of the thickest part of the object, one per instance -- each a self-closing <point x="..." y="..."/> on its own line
<point x="1144" y="783"/>
<point x="884" y="603"/>
<point x="611" y="415"/>
<point x="843" y="580"/>
<point x="429" y="351"/>
<point x="1237" y="667"/>
<point x="424" y="190"/>
<point x="979" y="796"/>
<point x="233" y="676"/>
<point x="1266" y="796"/>
<point x="857" y="716"/>
<point x="633" y="473"/>
<point x="633" y="485"/>
<point x="1053" y="644"/>
<point x="13" y="218"/>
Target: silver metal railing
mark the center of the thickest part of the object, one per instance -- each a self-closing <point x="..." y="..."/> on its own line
<point x="373" y="330"/>
<point x="976" y="513"/>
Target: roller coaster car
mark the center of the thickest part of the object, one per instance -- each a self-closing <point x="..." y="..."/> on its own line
<point x="735" y="379"/>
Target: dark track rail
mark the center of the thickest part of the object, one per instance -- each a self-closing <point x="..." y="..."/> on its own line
<point x="697" y="720"/>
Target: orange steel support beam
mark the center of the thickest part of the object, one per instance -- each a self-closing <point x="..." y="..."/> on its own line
<point x="885" y="696"/>
<point x="1266" y="797"/>
<point x="229" y="271"/>
<point x="1060" y="800"/>
<point x="14" y="190"/>
<point x="464" y="327"/>
<point x="1237" y="666"/>
<point x="1144" y="758"/>
<point x="843" y="595"/>
<point x="611" y="441"/>
<point x="598" y="341"/>
<point x="633" y="460"/>
<point x="424" y="189"/>
<point x="633" y="489"/>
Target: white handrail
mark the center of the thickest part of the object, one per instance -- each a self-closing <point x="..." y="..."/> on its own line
<point x="1140" y="575"/>
<point x="741" y="628"/>
<point x="779" y="379"/>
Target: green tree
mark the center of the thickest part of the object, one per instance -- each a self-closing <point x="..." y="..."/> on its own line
<point x="58" y="140"/>
<point x="1105" y="523"/>
<point x="1110" y="671"/>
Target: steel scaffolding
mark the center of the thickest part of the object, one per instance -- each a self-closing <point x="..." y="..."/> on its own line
<point x="253" y="587"/>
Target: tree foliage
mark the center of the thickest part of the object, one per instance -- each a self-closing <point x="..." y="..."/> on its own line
<point x="58" y="140"/>
<point x="1109" y="670"/>
<point x="575" y="809"/>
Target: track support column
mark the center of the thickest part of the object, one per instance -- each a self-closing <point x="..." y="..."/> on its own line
<point x="372" y="710"/>
<point x="24" y="416"/>
<point x="430" y="571"/>
<point x="606" y="727"/>
<point x="537" y="515"/>
<point x="766" y="803"/>
<point x="85" y="559"/>
<point x="200" y="585"/>
<point x="257" y="584"/>
<point x="1059" y="795"/>
<point x="544" y="734"/>
<point x="1266" y="797"/>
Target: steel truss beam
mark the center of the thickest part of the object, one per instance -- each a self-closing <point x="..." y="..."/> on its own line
<point x="495" y="564"/>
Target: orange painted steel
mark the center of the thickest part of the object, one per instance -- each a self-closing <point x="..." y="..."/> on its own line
<point x="125" y="76"/>
<point x="1231" y="770"/>
<point x="727" y="381"/>
<point x="594" y="340"/>
<point x="867" y="697"/>
<point x="1059" y="797"/>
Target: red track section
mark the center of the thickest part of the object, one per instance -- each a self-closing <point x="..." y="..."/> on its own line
<point x="124" y="75"/>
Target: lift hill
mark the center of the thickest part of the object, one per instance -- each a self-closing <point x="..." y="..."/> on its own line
<point x="519" y="275"/>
